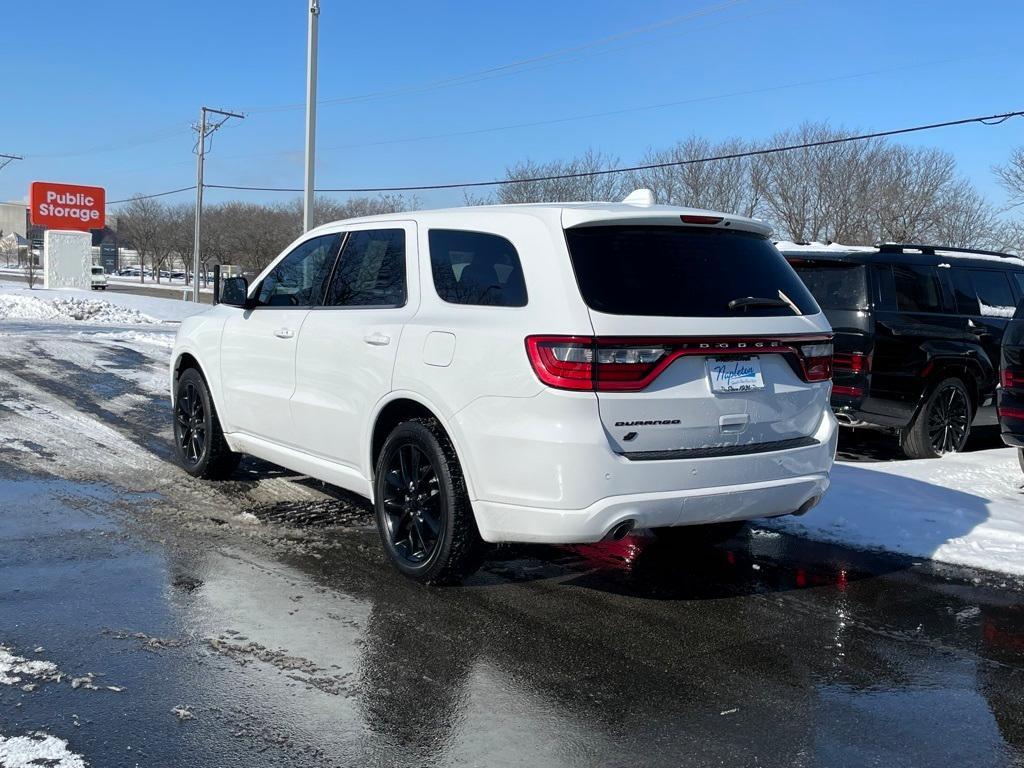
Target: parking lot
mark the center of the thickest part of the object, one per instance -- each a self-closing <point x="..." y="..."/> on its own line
<point x="176" y="622"/>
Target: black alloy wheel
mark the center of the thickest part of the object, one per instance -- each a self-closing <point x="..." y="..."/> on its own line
<point x="424" y="515"/>
<point x="942" y="423"/>
<point x="190" y="425"/>
<point x="412" y="504"/>
<point x="949" y="419"/>
<point x="198" y="439"/>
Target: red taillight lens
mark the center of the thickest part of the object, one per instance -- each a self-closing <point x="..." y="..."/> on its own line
<point x="629" y="365"/>
<point x="852" y="362"/>
<point x="564" y="362"/>
<point x="817" y="361"/>
<point x="1012" y="377"/>
<point x="578" y="362"/>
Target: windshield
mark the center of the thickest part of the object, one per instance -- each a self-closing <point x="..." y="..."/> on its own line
<point x="674" y="271"/>
<point x="835" y="286"/>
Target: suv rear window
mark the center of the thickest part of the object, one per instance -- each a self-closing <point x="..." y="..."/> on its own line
<point x="838" y="285"/>
<point x="673" y="271"/>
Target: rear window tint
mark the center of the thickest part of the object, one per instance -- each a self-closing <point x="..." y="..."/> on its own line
<point x="672" y="271"/>
<point x="995" y="295"/>
<point x="476" y="268"/>
<point x="835" y="285"/>
<point x="917" y="288"/>
<point x="963" y="292"/>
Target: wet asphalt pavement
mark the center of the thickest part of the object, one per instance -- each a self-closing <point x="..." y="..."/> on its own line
<point x="262" y="610"/>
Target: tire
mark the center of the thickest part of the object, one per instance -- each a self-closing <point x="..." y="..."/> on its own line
<point x="699" y="535"/>
<point x="424" y="517"/>
<point x="199" y="442"/>
<point x="942" y="424"/>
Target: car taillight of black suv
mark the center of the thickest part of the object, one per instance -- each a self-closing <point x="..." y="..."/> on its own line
<point x="1011" y="384"/>
<point x="917" y="341"/>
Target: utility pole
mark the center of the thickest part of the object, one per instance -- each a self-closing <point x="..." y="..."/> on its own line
<point x="6" y="160"/>
<point x="204" y="129"/>
<point x="311" y="57"/>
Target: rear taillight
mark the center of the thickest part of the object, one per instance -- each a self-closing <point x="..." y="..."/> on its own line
<point x="817" y="360"/>
<point x="852" y="362"/>
<point x="629" y="365"/>
<point x="565" y="362"/>
<point x="576" y="362"/>
<point x="1012" y="377"/>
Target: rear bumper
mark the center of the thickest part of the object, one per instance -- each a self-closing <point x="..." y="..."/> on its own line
<point x="543" y="471"/>
<point x="509" y="522"/>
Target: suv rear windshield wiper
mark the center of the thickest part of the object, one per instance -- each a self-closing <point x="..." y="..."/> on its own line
<point x="760" y="301"/>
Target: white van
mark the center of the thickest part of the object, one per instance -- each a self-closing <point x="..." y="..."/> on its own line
<point x="99" y="279"/>
<point x="525" y="373"/>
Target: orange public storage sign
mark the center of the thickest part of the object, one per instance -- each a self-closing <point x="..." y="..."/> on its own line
<point x="67" y="206"/>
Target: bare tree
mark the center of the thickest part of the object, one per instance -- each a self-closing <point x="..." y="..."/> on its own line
<point x="721" y="185"/>
<point x="964" y="218"/>
<point x="579" y="186"/>
<point x="142" y="222"/>
<point x="1011" y="176"/>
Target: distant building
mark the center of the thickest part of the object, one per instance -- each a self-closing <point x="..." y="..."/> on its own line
<point x="14" y="218"/>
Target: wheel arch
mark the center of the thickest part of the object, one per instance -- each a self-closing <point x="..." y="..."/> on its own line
<point x="402" y="406"/>
<point x="184" y="360"/>
<point x="970" y="370"/>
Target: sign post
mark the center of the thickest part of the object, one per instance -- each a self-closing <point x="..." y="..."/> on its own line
<point x="68" y="212"/>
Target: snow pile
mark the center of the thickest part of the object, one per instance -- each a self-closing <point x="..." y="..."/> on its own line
<point x="21" y="307"/>
<point x="965" y="508"/>
<point x="37" y="749"/>
<point x="14" y="668"/>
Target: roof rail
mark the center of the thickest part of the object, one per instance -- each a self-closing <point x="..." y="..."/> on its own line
<point x="931" y="249"/>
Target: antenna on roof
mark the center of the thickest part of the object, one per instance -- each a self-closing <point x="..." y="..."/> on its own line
<point x="639" y="197"/>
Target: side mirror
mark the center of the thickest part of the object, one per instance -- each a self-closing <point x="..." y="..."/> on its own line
<point x="235" y="292"/>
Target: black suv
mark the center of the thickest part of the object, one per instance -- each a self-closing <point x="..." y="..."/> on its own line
<point x="1011" y="391"/>
<point x="917" y="335"/>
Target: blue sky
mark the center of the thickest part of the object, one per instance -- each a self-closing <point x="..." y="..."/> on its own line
<point x="103" y="91"/>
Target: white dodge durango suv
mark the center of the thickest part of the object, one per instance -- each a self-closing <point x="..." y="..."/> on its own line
<point x="525" y="373"/>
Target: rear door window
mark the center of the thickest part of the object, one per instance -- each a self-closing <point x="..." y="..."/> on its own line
<point x="673" y="271"/>
<point x="838" y="285"/>
<point x="995" y="295"/>
<point x="370" y="271"/>
<point x="476" y="268"/>
<point x="917" y="288"/>
<point x="963" y="292"/>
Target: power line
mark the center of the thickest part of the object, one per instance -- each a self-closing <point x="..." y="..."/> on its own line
<point x="503" y="69"/>
<point x="984" y="120"/>
<point x="6" y="160"/>
<point x="149" y="197"/>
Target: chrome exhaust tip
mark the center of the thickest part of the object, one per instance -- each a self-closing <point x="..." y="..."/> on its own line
<point x="620" y="530"/>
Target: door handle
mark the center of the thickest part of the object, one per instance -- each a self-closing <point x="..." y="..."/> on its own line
<point x="284" y="333"/>
<point x="377" y="339"/>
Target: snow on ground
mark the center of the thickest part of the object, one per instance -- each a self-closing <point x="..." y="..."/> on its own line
<point x="16" y="303"/>
<point x="37" y="749"/>
<point x="964" y="509"/>
<point x="14" y="669"/>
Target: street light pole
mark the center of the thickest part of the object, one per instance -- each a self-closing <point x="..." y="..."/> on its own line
<point x="204" y="131"/>
<point x="311" y="59"/>
<point x="200" y="158"/>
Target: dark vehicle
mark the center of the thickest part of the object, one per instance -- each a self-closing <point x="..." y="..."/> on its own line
<point x="1011" y="379"/>
<point x="918" y="330"/>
